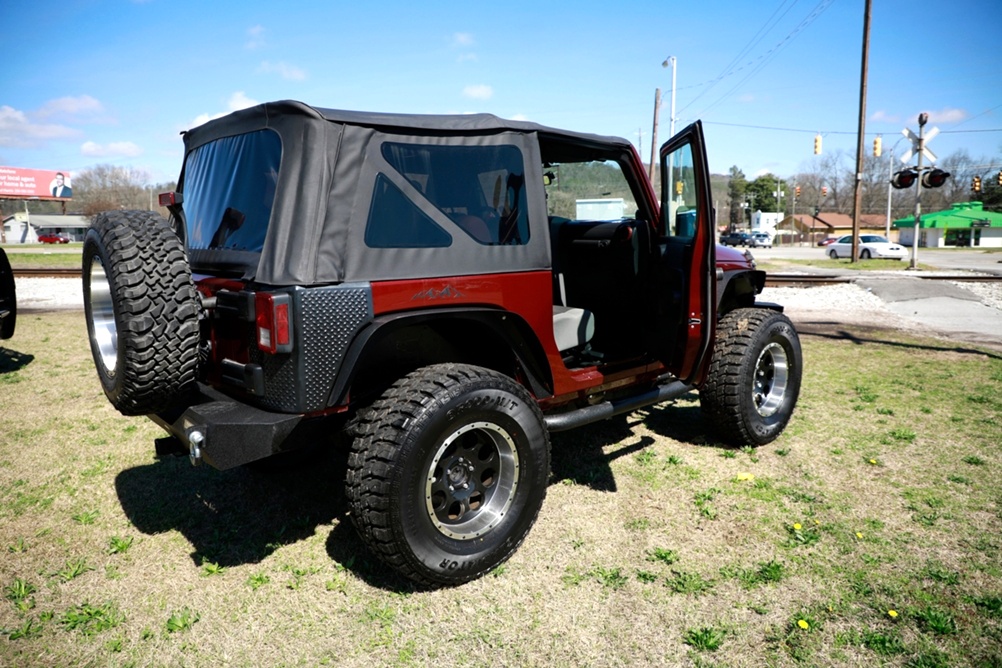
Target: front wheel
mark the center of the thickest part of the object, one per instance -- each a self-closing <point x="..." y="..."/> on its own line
<point x="754" y="378"/>
<point x="833" y="254"/>
<point x="864" y="254"/>
<point x="448" y="472"/>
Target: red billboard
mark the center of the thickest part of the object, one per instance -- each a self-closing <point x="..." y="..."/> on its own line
<point x="22" y="183"/>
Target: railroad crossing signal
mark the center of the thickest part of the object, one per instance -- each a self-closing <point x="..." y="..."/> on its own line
<point x="914" y="138"/>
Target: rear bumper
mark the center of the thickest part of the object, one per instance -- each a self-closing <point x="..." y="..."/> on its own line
<point x="224" y="432"/>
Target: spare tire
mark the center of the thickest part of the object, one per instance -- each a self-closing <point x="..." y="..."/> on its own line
<point x="141" y="309"/>
<point x="8" y="298"/>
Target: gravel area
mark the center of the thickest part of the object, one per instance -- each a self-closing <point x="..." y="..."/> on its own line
<point x="45" y="294"/>
<point x="990" y="294"/>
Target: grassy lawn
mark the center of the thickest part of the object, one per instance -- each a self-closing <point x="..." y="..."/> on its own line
<point x="44" y="256"/>
<point x="780" y="265"/>
<point x="869" y="534"/>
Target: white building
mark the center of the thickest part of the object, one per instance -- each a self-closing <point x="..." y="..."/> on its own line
<point x="24" y="228"/>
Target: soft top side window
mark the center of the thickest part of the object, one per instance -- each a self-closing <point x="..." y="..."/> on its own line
<point x="481" y="189"/>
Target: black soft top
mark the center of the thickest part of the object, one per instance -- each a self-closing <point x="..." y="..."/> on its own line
<point x="330" y="161"/>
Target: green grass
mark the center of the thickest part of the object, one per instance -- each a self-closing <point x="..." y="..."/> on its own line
<point x="652" y="549"/>
<point x="64" y="256"/>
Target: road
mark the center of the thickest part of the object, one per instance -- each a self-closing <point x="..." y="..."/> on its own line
<point x="958" y="311"/>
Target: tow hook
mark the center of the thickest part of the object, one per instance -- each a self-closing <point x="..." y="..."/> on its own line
<point x="195" y="441"/>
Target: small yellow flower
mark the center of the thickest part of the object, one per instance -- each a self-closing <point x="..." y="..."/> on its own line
<point x="797" y="527"/>
<point x="817" y="522"/>
<point x="873" y="461"/>
<point x="859" y="535"/>
<point x="746" y="476"/>
<point x="802" y="623"/>
<point x="892" y="614"/>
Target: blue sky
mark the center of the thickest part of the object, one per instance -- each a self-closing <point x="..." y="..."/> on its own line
<point x="114" y="81"/>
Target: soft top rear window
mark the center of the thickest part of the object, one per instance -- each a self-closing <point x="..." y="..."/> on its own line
<point x="229" y="189"/>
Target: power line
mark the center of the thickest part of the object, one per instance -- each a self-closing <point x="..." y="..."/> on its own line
<point x="831" y="132"/>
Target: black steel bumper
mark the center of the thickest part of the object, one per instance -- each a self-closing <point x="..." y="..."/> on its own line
<point x="224" y="432"/>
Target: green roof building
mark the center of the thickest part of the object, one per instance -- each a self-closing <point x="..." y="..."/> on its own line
<point x="965" y="224"/>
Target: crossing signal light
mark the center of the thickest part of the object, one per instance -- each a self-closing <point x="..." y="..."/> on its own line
<point x="934" y="178"/>
<point x="904" y="179"/>
<point x="877" y="148"/>
<point x="817" y="146"/>
<point x="976" y="184"/>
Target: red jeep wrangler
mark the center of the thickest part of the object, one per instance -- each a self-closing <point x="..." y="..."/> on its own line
<point x="449" y="290"/>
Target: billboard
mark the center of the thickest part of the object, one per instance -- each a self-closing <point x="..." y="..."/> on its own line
<point x="22" y="183"/>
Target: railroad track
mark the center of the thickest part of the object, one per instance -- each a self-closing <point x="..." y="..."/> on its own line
<point x="62" y="272"/>
<point x="777" y="280"/>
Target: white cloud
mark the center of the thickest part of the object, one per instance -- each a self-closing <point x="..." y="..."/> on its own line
<point x="519" y="117"/>
<point x="882" y="116"/>
<point x="463" y="39"/>
<point x="17" y="130"/>
<point x="283" y="69"/>
<point x="237" y="101"/>
<point x="117" y="149"/>
<point x="478" y="92"/>
<point x="255" y="37"/>
<point x="70" y="106"/>
<point x="948" y="115"/>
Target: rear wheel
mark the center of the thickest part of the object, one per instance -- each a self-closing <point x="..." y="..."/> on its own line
<point x="141" y="310"/>
<point x="754" y="379"/>
<point x="448" y="472"/>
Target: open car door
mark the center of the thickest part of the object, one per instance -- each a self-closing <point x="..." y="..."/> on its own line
<point x="686" y="230"/>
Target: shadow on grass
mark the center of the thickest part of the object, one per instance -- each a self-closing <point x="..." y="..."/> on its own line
<point x="12" y="360"/>
<point x="238" y="516"/>
<point x="863" y="335"/>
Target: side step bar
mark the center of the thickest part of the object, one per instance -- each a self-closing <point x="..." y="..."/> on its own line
<point x="607" y="409"/>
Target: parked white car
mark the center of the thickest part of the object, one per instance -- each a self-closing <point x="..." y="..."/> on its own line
<point x="870" y="246"/>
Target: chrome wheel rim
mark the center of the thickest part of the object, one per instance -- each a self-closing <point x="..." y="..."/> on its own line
<point x="104" y="331"/>
<point x="471" y="481"/>
<point x="772" y="374"/>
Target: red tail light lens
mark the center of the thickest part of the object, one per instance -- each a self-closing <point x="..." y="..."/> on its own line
<point x="273" y="322"/>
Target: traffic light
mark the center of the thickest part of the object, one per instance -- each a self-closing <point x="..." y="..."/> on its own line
<point x="904" y="179"/>
<point x="876" y="147"/>
<point x="817" y="146"/>
<point x="934" y="178"/>
<point x="824" y="191"/>
<point x="976" y="184"/>
<point x="796" y="191"/>
<point x="1000" y="177"/>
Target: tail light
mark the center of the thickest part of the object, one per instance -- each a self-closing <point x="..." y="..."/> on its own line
<point x="273" y="322"/>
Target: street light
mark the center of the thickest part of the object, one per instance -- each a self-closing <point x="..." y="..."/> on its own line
<point x="671" y="127"/>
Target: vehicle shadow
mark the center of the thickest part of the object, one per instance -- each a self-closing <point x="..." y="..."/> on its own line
<point x="12" y="360"/>
<point x="237" y="516"/>
<point x="243" y="515"/>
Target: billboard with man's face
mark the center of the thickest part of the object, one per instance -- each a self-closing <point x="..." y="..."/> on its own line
<point x="31" y="183"/>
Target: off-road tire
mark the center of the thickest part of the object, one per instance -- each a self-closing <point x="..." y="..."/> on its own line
<point x="8" y="297"/>
<point x="141" y="310"/>
<point x="754" y="378"/>
<point x="433" y="431"/>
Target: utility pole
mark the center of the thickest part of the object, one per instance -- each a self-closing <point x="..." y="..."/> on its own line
<point x="858" y="193"/>
<point x="654" y="134"/>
